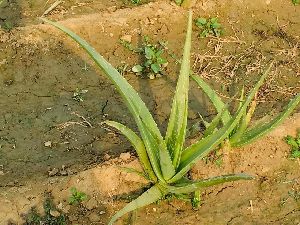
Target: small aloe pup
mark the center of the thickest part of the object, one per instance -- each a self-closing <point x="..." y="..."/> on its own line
<point x="242" y="134"/>
<point x="165" y="160"/>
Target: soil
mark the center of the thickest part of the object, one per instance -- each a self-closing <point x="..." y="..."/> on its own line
<point x="49" y="142"/>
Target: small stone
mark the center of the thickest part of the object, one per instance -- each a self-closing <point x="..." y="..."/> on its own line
<point x="66" y="209"/>
<point x="54" y="213"/>
<point x="102" y="212"/>
<point x="53" y="172"/>
<point x="1" y="173"/>
<point x="111" y="34"/>
<point x="112" y="9"/>
<point x="48" y="144"/>
<point x="106" y="157"/>
<point x="72" y="218"/>
<point x="94" y="217"/>
<point x="127" y="38"/>
<point x="64" y="173"/>
<point x="60" y="206"/>
<point x="125" y="156"/>
<point x="91" y="204"/>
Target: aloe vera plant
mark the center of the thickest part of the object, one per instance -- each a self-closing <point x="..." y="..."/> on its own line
<point x="165" y="160"/>
<point x="242" y="134"/>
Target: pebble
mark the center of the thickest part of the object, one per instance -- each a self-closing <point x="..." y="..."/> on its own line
<point x="94" y="217"/>
<point x="106" y="157"/>
<point x="53" y="172"/>
<point x="48" y="144"/>
<point x="112" y="9"/>
<point x="127" y="38"/>
<point x="102" y="212"/>
<point x="54" y="213"/>
<point x="91" y="204"/>
<point x="125" y="156"/>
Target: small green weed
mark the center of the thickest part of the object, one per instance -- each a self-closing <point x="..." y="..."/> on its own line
<point x="153" y="60"/>
<point x="294" y="142"/>
<point x="209" y="27"/>
<point x="178" y="2"/>
<point x="7" y="26"/>
<point x="34" y="218"/>
<point x="196" y="200"/>
<point x="77" y="196"/>
<point x="296" y="2"/>
<point x="78" y="95"/>
<point x="294" y="194"/>
<point x="136" y="2"/>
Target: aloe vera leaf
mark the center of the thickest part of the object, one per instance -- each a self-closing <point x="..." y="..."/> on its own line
<point x="138" y="145"/>
<point x="150" y="196"/>
<point x="214" y="123"/>
<point x="242" y="98"/>
<point x="196" y="185"/>
<point x="134" y="103"/>
<point x="243" y="123"/>
<point x="176" y="130"/>
<point x="261" y="130"/>
<point x="166" y="164"/>
<point x="214" y="98"/>
<point x="201" y="148"/>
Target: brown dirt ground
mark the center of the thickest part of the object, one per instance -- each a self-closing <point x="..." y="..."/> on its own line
<point x="40" y="70"/>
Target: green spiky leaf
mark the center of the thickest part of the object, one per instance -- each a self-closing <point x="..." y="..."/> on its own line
<point x="176" y="130"/>
<point x="152" y="195"/>
<point x="192" y="186"/>
<point x="256" y="132"/>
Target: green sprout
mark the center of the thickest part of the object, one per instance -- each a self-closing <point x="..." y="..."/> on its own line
<point x="153" y="60"/>
<point x="77" y="196"/>
<point x="178" y="2"/>
<point x="294" y="142"/>
<point x="296" y="2"/>
<point x="209" y="27"/>
<point x="135" y="2"/>
<point x="48" y="217"/>
<point x="165" y="160"/>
